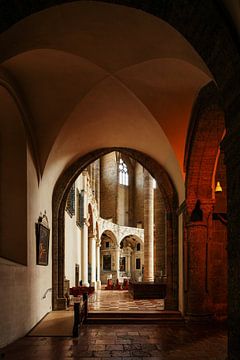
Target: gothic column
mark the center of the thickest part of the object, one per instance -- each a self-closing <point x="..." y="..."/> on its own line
<point x="93" y="180"/>
<point x="93" y="260"/>
<point x="128" y="264"/>
<point x="171" y="261"/>
<point x="198" y="302"/>
<point x="160" y="236"/>
<point x="98" y="265"/>
<point x="84" y="225"/>
<point x="231" y="147"/>
<point x="97" y="182"/>
<point x="84" y="253"/>
<point x="117" y="261"/>
<point x="148" y="227"/>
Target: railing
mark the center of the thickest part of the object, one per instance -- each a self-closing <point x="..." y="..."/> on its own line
<point x="45" y="294"/>
<point x="80" y="314"/>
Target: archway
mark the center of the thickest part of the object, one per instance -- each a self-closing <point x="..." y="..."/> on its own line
<point x="109" y="257"/>
<point x="209" y="44"/>
<point x="132" y="257"/>
<point x="61" y="190"/>
<point x="205" y="266"/>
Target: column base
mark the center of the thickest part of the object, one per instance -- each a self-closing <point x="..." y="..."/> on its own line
<point x="94" y="284"/>
<point x="85" y="284"/>
<point x="99" y="284"/>
<point x="61" y="304"/>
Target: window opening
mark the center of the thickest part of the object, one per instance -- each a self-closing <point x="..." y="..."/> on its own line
<point x="123" y="173"/>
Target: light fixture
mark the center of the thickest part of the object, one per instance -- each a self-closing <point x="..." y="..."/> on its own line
<point x="218" y="188"/>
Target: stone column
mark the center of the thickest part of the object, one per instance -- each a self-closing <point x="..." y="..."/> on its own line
<point x="84" y="226"/>
<point x="198" y="301"/>
<point x="128" y="265"/>
<point x="97" y="182"/>
<point x="93" y="260"/>
<point x="148" y="227"/>
<point x="197" y="287"/>
<point x="160" y="238"/>
<point x="84" y="253"/>
<point x="93" y="178"/>
<point x="231" y="147"/>
<point x="171" y="261"/>
<point x="117" y="261"/>
<point x="98" y="265"/>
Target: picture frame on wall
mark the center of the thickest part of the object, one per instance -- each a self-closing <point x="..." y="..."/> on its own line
<point x="42" y="244"/>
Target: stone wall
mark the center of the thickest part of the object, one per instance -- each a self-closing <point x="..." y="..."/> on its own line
<point x="138" y="200"/>
<point x="108" y="187"/>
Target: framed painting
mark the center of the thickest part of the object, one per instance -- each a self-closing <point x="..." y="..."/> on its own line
<point x="122" y="263"/>
<point x="107" y="262"/>
<point x="42" y="236"/>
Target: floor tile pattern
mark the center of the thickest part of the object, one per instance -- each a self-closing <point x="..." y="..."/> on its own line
<point x="121" y="300"/>
<point x="122" y="342"/>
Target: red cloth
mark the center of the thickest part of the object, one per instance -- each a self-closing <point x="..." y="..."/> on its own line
<point x="79" y="290"/>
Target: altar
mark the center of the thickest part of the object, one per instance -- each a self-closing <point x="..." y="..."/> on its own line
<point x="147" y="290"/>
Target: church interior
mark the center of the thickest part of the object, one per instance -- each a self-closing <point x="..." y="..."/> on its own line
<point x="120" y="175"/>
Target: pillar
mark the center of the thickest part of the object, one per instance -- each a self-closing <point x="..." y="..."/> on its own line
<point x="171" y="261"/>
<point x="84" y="253"/>
<point x="117" y="261"/>
<point x="84" y="226"/>
<point x="197" y="296"/>
<point x="128" y="264"/>
<point x="93" y="177"/>
<point x="231" y="147"/>
<point x="98" y="265"/>
<point x="97" y="182"/>
<point x="148" y="227"/>
<point x="160" y="238"/>
<point x="198" y="301"/>
<point x="93" y="260"/>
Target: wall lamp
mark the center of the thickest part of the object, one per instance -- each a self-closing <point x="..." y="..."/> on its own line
<point x="218" y="188"/>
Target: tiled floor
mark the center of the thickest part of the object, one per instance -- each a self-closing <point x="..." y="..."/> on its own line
<point x="126" y="342"/>
<point x="120" y="300"/>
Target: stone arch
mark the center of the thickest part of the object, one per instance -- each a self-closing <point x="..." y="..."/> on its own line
<point x="202" y="243"/>
<point x="205" y="133"/>
<point x="134" y="237"/>
<point x="60" y="193"/>
<point x="111" y="235"/>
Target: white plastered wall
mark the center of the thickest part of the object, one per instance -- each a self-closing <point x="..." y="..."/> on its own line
<point x="72" y="241"/>
<point x="25" y="299"/>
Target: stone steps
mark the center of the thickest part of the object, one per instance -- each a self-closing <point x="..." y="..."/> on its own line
<point x="110" y="317"/>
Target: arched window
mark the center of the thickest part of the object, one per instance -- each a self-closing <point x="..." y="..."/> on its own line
<point x="123" y="173"/>
<point x="138" y="247"/>
<point x="154" y="184"/>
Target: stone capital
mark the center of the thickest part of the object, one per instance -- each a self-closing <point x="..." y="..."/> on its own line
<point x="207" y="207"/>
<point x="98" y="242"/>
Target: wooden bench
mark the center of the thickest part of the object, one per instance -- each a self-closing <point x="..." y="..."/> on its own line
<point x="80" y="314"/>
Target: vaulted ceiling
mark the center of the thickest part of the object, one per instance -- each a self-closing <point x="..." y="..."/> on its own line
<point x="94" y="75"/>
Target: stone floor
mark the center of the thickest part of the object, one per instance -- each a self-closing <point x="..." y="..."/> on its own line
<point x="96" y="342"/>
<point x="121" y="300"/>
